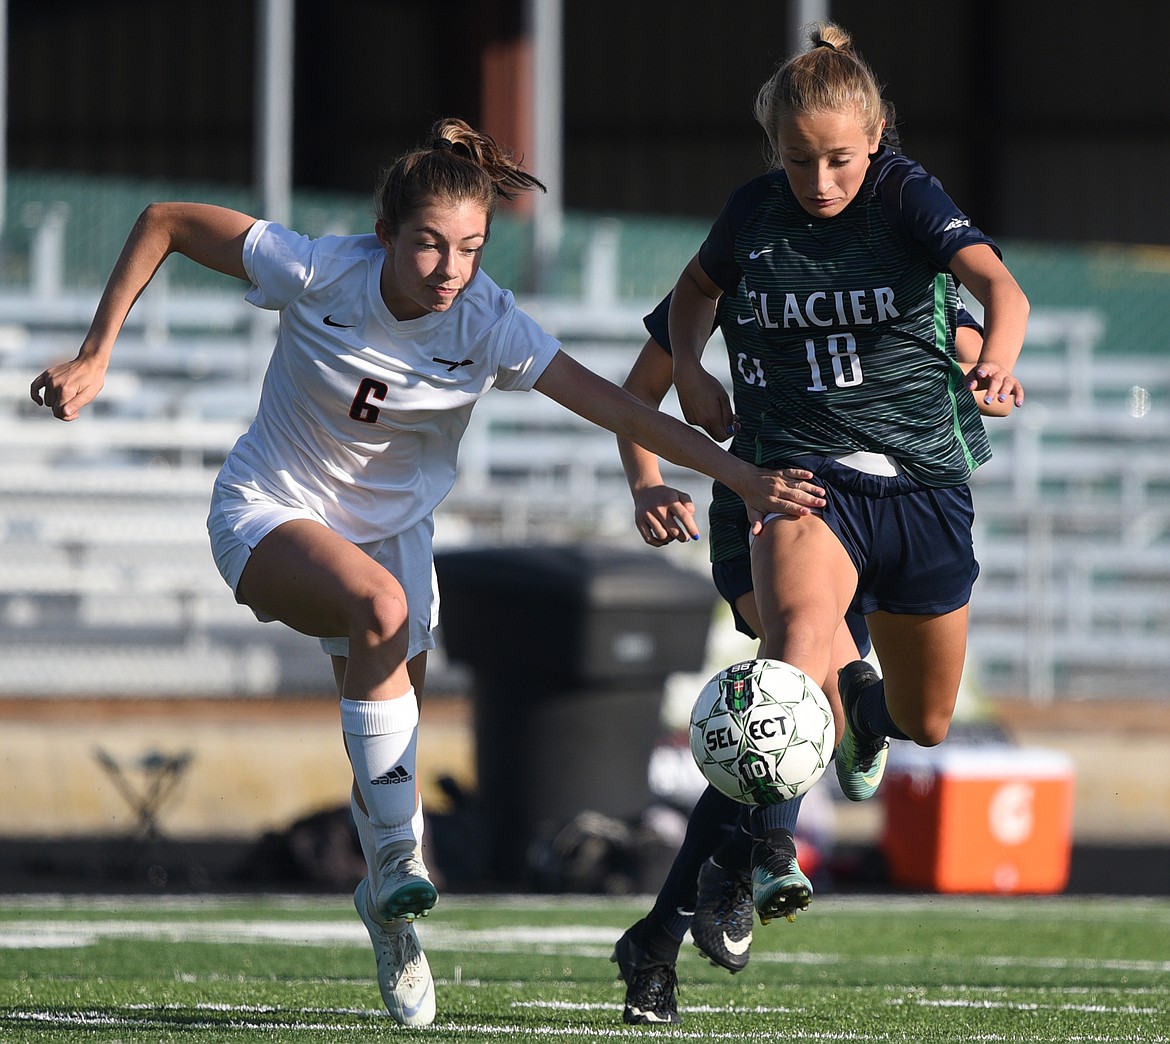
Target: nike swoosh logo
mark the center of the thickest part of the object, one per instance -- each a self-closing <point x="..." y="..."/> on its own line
<point x="409" y="1011"/>
<point x="328" y="320"/>
<point x="737" y="948"/>
<point x="453" y="364"/>
<point x="743" y="322"/>
<point x="649" y="1014"/>
<point x="759" y="253"/>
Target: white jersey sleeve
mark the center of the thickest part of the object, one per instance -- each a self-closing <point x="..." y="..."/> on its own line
<point x="281" y="269"/>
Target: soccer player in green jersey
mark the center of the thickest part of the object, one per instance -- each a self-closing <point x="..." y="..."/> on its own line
<point x="850" y="253"/>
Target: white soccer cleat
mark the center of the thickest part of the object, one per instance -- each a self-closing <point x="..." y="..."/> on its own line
<point x="405" y="888"/>
<point x="404" y="976"/>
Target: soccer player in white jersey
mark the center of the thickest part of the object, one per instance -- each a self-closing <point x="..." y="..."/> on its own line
<point x="321" y="516"/>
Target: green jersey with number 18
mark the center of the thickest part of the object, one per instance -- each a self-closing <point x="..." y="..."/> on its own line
<point x="856" y="315"/>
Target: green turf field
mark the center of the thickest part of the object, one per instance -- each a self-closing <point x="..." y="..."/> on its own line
<point x="922" y="969"/>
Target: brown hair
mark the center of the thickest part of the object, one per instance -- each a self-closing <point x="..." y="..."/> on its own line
<point x="457" y="164"/>
<point x="830" y="76"/>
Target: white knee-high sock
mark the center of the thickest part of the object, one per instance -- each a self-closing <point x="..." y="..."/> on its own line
<point x="382" y="738"/>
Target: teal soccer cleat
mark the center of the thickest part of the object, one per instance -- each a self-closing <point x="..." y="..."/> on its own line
<point x="861" y="758"/>
<point x="405" y="889"/>
<point x="779" y="887"/>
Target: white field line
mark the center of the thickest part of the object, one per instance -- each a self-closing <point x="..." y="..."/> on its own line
<point x="247" y="1021"/>
<point x="924" y="1002"/>
<point x="553" y="940"/>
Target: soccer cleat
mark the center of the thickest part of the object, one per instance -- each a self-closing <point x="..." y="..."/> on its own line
<point x="779" y="887"/>
<point x="405" y="889"/>
<point x="861" y="758"/>
<point x="404" y="976"/>
<point x="651" y="985"/>
<point x="722" y="925"/>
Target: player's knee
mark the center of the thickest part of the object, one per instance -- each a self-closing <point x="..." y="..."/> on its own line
<point x="797" y="639"/>
<point x="928" y="730"/>
<point x="383" y="616"/>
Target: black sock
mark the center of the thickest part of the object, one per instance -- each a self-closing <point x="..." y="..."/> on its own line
<point x="872" y="714"/>
<point x="714" y="815"/>
<point x="735" y="853"/>
<point x="654" y="937"/>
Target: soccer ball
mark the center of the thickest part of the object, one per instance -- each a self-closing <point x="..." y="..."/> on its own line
<point x="761" y="732"/>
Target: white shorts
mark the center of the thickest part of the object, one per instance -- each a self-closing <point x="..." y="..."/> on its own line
<point x="237" y="524"/>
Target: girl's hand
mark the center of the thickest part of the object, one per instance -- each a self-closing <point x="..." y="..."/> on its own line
<point x="996" y="383"/>
<point x="663" y="514"/>
<point x="67" y="387"/>
<point x="790" y="491"/>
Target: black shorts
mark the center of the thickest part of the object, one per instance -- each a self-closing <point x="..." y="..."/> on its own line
<point x="911" y="543"/>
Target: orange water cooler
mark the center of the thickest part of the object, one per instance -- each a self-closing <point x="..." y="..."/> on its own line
<point x="979" y="819"/>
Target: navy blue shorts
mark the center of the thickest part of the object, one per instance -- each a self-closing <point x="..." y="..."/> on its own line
<point x="911" y="543"/>
<point x="733" y="579"/>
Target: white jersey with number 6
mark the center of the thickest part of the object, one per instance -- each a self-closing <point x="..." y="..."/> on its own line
<point x="361" y="415"/>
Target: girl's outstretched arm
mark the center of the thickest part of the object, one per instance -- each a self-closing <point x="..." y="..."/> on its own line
<point x="209" y="235"/>
<point x="579" y="389"/>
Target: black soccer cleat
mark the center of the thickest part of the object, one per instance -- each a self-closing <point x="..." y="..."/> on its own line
<point x="724" y="912"/>
<point x="651" y="985"/>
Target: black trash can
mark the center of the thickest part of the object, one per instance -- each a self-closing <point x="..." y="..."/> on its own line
<point x="569" y="649"/>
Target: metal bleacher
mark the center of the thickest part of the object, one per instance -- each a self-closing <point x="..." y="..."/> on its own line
<point x="107" y="585"/>
<point x="1073" y="527"/>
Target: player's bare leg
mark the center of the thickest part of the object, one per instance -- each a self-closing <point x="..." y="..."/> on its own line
<point x="320" y="584"/>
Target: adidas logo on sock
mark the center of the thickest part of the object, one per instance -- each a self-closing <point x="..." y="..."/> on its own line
<point x="396" y="775"/>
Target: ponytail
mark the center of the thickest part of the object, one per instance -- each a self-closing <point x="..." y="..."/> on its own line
<point x="457" y="164"/>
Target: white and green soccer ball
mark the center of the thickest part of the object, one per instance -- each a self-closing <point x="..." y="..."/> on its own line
<point x="761" y="732"/>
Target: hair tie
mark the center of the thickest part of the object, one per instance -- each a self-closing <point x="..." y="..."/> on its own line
<point x="442" y="144"/>
<point x="825" y="43"/>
